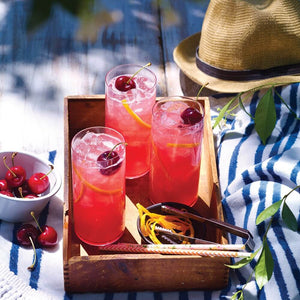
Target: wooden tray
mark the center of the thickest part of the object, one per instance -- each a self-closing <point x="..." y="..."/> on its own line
<point x="86" y="269"/>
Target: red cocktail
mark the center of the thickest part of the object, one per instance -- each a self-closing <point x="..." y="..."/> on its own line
<point x="98" y="174"/>
<point x="128" y="109"/>
<point x="177" y="130"/>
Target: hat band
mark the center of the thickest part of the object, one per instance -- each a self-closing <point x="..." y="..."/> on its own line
<point x="246" y="75"/>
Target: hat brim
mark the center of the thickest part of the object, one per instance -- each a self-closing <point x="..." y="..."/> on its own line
<point x="185" y="57"/>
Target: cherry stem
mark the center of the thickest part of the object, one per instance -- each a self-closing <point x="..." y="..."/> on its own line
<point x="13" y="158"/>
<point x="145" y="66"/>
<point x="200" y="90"/>
<point x="31" y="267"/>
<point x="52" y="167"/>
<point x="21" y="191"/>
<point x="36" y="221"/>
<point x="5" y="164"/>
<point x="114" y="147"/>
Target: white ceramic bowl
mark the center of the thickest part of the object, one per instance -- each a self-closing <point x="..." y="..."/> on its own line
<point x="13" y="209"/>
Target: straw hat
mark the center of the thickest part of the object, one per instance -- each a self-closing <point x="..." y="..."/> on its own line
<point x="244" y="44"/>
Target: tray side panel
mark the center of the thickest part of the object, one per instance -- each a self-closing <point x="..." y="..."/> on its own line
<point x="141" y="274"/>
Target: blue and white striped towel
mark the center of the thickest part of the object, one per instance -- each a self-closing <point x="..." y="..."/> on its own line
<point x="252" y="177"/>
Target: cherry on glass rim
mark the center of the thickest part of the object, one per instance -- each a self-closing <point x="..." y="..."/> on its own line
<point x="124" y="83"/>
<point x="191" y="116"/>
<point x="109" y="161"/>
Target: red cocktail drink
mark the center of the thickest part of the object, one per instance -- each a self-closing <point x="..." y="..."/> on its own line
<point x="128" y="109"/>
<point x="177" y="130"/>
<point x="98" y="174"/>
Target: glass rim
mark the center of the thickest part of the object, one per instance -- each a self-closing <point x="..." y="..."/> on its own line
<point x="132" y="65"/>
<point x="92" y="129"/>
<point x="175" y="99"/>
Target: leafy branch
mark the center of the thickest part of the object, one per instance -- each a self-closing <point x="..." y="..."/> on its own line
<point x="265" y="264"/>
<point x="265" y="114"/>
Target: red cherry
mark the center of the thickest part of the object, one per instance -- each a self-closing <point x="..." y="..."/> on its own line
<point x="3" y="185"/>
<point x="31" y="196"/>
<point x="191" y="116"/>
<point x="23" y="190"/>
<point x="16" y="175"/>
<point x="108" y="162"/>
<point x="7" y="193"/>
<point x="39" y="182"/>
<point x="48" y="237"/>
<point x="26" y="236"/>
<point x="124" y="83"/>
<point x="26" y="231"/>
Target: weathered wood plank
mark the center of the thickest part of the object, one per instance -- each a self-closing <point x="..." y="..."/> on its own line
<point x="38" y="71"/>
<point x="190" y="18"/>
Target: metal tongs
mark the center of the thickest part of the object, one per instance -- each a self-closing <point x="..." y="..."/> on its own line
<point x="241" y="232"/>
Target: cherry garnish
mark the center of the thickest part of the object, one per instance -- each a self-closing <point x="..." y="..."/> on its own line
<point x="108" y="162"/>
<point x="26" y="231"/>
<point x="124" y="83"/>
<point x="191" y="116"/>
<point x="39" y="182"/>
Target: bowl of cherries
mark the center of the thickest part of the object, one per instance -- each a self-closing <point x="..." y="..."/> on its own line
<point x="27" y="183"/>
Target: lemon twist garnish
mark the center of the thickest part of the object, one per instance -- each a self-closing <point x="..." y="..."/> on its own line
<point x="80" y="193"/>
<point x="149" y="220"/>
<point x="192" y="145"/>
<point x="94" y="188"/>
<point x="134" y="115"/>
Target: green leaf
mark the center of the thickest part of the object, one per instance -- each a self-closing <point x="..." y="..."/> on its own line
<point x="243" y="107"/>
<point x="243" y="262"/>
<point x="223" y="112"/>
<point x="239" y="295"/>
<point x="265" y="116"/>
<point x="289" y="218"/>
<point x="265" y="266"/>
<point x="268" y="212"/>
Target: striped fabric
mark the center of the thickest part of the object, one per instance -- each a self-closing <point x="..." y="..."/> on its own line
<point x="252" y="177"/>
